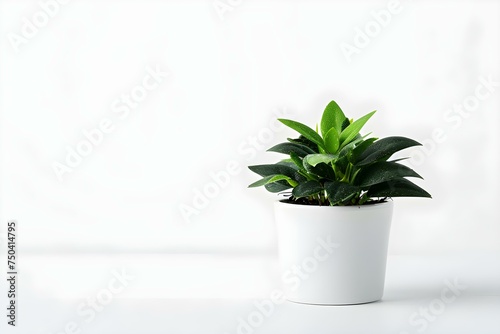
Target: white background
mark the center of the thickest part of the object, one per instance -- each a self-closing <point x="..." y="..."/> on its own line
<point x="230" y="73"/>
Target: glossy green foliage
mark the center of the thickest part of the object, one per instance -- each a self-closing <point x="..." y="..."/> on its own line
<point x="337" y="165"/>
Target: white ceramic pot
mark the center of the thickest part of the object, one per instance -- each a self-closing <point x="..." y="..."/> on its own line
<point x="333" y="255"/>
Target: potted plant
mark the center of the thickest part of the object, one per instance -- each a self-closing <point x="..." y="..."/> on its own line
<point x="333" y="227"/>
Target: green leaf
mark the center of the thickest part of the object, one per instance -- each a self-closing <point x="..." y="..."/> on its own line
<point x="272" y="179"/>
<point x="298" y="162"/>
<point x="345" y="124"/>
<point x="400" y="159"/>
<point x="308" y="188"/>
<point x="287" y="148"/>
<point x="305" y="131"/>
<point x="314" y="159"/>
<point x="306" y="142"/>
<point x="340" y="192"/>
<point x="277" y="187"/>
<point x="397" y="188"/>
<point x="382" y="172"/>
<point x="332" y="140"/>
<point x="353" y="129"/>
<point x="276" y="169"/>
<point x="321" y="170"/>
<point x="382" y="149"/>
<point x="288" y="163"/>
<point x="333" y="117"/>
<point x="360" y="148"/>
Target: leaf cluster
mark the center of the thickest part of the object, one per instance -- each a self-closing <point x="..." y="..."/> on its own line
<point x="336" y="165"/>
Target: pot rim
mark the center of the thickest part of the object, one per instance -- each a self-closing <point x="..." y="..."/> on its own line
<point x="388" y="203"/>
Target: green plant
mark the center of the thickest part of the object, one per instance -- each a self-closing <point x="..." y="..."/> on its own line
<point x="335" y="165"/>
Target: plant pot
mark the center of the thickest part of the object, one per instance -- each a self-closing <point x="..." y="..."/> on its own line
<point x="333" y="255"/>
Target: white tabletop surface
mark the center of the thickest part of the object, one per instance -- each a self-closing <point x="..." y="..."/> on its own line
<point x="219" y="293"/>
